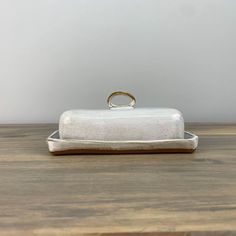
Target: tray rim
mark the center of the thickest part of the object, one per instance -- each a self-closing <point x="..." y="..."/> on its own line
<point x="50" y="138"/>
<point x="148" y="146"/>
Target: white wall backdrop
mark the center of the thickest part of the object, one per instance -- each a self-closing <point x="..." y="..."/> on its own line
<point x="62" y="54"/>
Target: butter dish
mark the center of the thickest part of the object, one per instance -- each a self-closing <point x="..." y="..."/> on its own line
<point x="121" y="129"/>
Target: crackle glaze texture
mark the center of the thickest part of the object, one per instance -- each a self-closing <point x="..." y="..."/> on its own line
<point x="120" y="124"/>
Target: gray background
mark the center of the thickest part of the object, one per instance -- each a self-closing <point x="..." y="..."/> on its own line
<point x="62" y="54"/>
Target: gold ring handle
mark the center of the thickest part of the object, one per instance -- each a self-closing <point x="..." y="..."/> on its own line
<point x="118" y="93"/>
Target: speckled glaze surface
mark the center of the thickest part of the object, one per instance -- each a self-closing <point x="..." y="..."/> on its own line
<point x="123" y="123"/>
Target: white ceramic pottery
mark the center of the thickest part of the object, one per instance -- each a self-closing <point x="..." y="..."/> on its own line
<point x="122" y="123"/>
<point x="58" y="146"/>
<point x="121" y="129"/>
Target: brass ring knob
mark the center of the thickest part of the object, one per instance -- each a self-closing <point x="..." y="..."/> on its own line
<point x="118" y="93"/>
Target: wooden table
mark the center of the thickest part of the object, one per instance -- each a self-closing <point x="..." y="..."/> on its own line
<point x="161" y="194"/>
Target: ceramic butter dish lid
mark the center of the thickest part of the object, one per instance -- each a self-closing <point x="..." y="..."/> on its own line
<point x="122" y="123"/>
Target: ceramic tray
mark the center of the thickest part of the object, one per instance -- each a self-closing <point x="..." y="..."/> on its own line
<point x="59" y="146"/>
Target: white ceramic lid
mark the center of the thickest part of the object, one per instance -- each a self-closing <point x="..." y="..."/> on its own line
<point x="121" y="123"/>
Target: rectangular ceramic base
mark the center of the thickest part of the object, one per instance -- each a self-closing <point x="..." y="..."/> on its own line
<point x="59" y="146"/>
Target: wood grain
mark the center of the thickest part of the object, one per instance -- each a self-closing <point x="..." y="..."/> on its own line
<point x="159" y="194"/>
